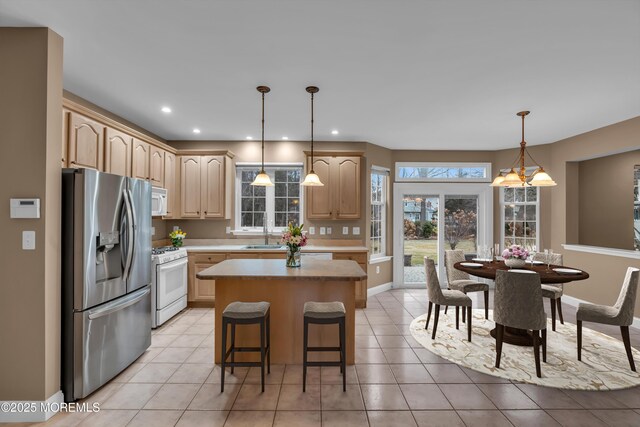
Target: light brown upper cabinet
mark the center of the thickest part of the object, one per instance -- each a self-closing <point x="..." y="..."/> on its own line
<point x="205" y="186"/>
<point x="117" y="153"/>
<point x="65" y="136"/>
<point x="86" y="142"/>
<point x="156" y="166"/>
<point x="140" y="159"/>
<point x="339" y="198"/>
<point x="170" y="182"/>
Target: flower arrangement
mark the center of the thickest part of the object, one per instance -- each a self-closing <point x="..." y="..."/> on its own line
<point x="293" y="238"/>
<point x="515" y="251"/>
<point x="176" y="237"/>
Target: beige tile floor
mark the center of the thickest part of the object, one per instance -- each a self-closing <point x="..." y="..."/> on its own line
<point x="395" y="382"/>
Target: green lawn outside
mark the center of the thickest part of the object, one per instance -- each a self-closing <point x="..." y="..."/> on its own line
<point x="421" y="248"/>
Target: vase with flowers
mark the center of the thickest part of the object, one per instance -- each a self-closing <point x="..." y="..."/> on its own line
<point x="293" y="238"/>
<point x="515" y="256"/>
<point x="177" y="236"/>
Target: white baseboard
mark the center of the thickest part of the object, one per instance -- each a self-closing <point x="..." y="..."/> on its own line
<point x="575" y="301"/>
<point x="42" y="409"/>
<point x="378" y="289"/>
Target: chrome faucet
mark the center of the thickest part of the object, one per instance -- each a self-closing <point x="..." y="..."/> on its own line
<point x="265" y="229"/>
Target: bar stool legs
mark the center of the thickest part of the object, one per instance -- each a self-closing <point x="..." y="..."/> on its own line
<point x="341" y="349"/>
<point x="264" y="323"/>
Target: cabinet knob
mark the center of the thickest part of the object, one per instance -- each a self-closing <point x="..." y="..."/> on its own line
<point x="209" y="258"/>
<point x="198" y="212"/>
<point x="205" y="212"/>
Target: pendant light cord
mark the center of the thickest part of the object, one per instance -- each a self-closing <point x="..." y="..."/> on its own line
<point x="311" y="131"/>
<point x="262" y="171"/>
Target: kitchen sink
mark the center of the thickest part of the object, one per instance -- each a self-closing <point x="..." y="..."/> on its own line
<point x="264" y="247"/>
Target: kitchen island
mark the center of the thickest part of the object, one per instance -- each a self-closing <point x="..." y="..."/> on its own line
<point x="287" y="289"/>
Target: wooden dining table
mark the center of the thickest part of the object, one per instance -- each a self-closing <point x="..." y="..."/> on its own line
<point x="547" y="276"/>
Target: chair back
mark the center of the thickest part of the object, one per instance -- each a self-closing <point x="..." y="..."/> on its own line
<point x="434" y="292"/>
<point x="450" y="258"/>
<point x="556" y="259"/>
<point x="626" y="303"/>
<point x="518" y="301"/>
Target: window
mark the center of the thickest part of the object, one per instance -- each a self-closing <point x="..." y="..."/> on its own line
<point x="520" y="215"/>
<point x="282" y="202"/>
<point x="378" y="212"/>
<point x="443" y="172"/>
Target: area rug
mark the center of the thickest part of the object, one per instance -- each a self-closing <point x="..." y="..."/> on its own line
<point x="604" y="364"/>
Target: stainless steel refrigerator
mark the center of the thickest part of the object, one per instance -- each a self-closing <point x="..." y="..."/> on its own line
<point x="106" y="277"/>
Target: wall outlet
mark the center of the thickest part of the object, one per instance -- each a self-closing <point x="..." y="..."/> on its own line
<point x="328" y="230"/>
<point x="356" y="231"/>
<point x="176" y="228"/>
<point x="345" y="230"/>
<point x="153" y="231"/>
<point x="29" y="240"/>
<point x="377" y="269"/>
<point x="228" y="230"/>
<point x="312" y="230"/>
<point x="323" y="231"/>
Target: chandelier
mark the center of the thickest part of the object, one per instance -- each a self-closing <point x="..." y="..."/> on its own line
<point x="519" y="177"/>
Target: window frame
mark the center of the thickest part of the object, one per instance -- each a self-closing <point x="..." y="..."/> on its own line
<point x="452" y="165"/>
<point x="384" y="203"/>
<point x="269" y="196"/>
<point x="526" y="203"/>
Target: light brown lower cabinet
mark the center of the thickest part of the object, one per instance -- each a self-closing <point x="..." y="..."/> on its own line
<point x="361" y="286"/>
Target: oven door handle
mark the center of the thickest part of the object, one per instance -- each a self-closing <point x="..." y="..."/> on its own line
<point x="171" y="265"/>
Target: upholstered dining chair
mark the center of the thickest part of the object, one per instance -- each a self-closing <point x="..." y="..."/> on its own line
<point x="621" y="314"/>
<point x="518" y="304"/>
<point x="445" y="297"/>
<point x="553" y="292"/>
<point x="460" y="281"/>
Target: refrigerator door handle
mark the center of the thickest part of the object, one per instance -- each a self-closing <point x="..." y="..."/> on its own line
<point x="119" y="305"/>
<point x="129" y="257"/>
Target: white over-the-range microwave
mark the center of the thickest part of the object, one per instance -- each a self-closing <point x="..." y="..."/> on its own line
<point x="158" y="201"/>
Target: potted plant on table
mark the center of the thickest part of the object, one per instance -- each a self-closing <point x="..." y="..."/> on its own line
<point x="177" y="236"/>
<point x="515" y="256"/>
<point x="294" y="239"/>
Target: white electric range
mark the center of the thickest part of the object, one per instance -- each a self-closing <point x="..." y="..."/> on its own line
<point x="169" y="286"/>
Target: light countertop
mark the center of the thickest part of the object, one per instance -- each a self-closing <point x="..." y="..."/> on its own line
<point x="241" y="248"/>
<point x="275" y="269"/>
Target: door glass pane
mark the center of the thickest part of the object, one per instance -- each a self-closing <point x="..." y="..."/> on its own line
<point x="461" y="223"/>
<point x="420" y="234"/>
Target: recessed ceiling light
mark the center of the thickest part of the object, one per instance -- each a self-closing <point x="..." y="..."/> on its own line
<point x="196" y="130"/>
<point x="166" y="110"/>
<point x="334" y="132"/>
<point x="285" y="137"/>
<point x="249" y="137"/>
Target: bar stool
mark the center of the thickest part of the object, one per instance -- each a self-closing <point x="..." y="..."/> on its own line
<point x="324" y="313"/>
<point x="246" y="313"/>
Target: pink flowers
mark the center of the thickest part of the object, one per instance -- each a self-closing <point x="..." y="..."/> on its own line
<point x="515" y="251"/>
<point x="293" y="236"/>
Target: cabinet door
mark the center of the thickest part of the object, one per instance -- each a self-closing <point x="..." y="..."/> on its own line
<point x="156" y="167"/>
<point x="117" y="158"/>
<point x="318" y="200"/>
<point x="190" y="186"/>
<point x="347" y="187"/>
<point x="170" y="182"/>
<point x="86" y="142"/>
<point x="203" y="290"/>
<point x="65" y="136"/>
<point x="140" y="160"/>
<point x="213" y="186"/>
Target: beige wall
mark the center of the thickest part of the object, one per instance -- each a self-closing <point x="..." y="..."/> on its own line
<point x="606" y="210"/>
<point x="606" y="272"/>
<point x="30" y="119"/>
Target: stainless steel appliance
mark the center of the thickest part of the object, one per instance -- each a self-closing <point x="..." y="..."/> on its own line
<point x="106" y="277"/>
<point x="169" y="285"/>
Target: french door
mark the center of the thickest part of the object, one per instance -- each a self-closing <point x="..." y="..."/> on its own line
<point x="430" y="218"/>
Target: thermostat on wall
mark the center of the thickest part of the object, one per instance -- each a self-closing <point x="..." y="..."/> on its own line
<point x="25" y="208"/>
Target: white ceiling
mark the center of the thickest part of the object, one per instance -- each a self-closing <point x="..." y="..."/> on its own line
<point x="401" y="74"/>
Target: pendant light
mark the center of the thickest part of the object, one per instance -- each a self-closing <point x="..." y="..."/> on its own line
<point x="312" y="179"/>
<point x="519" y="178"/>
<point x="262" y="179"/>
